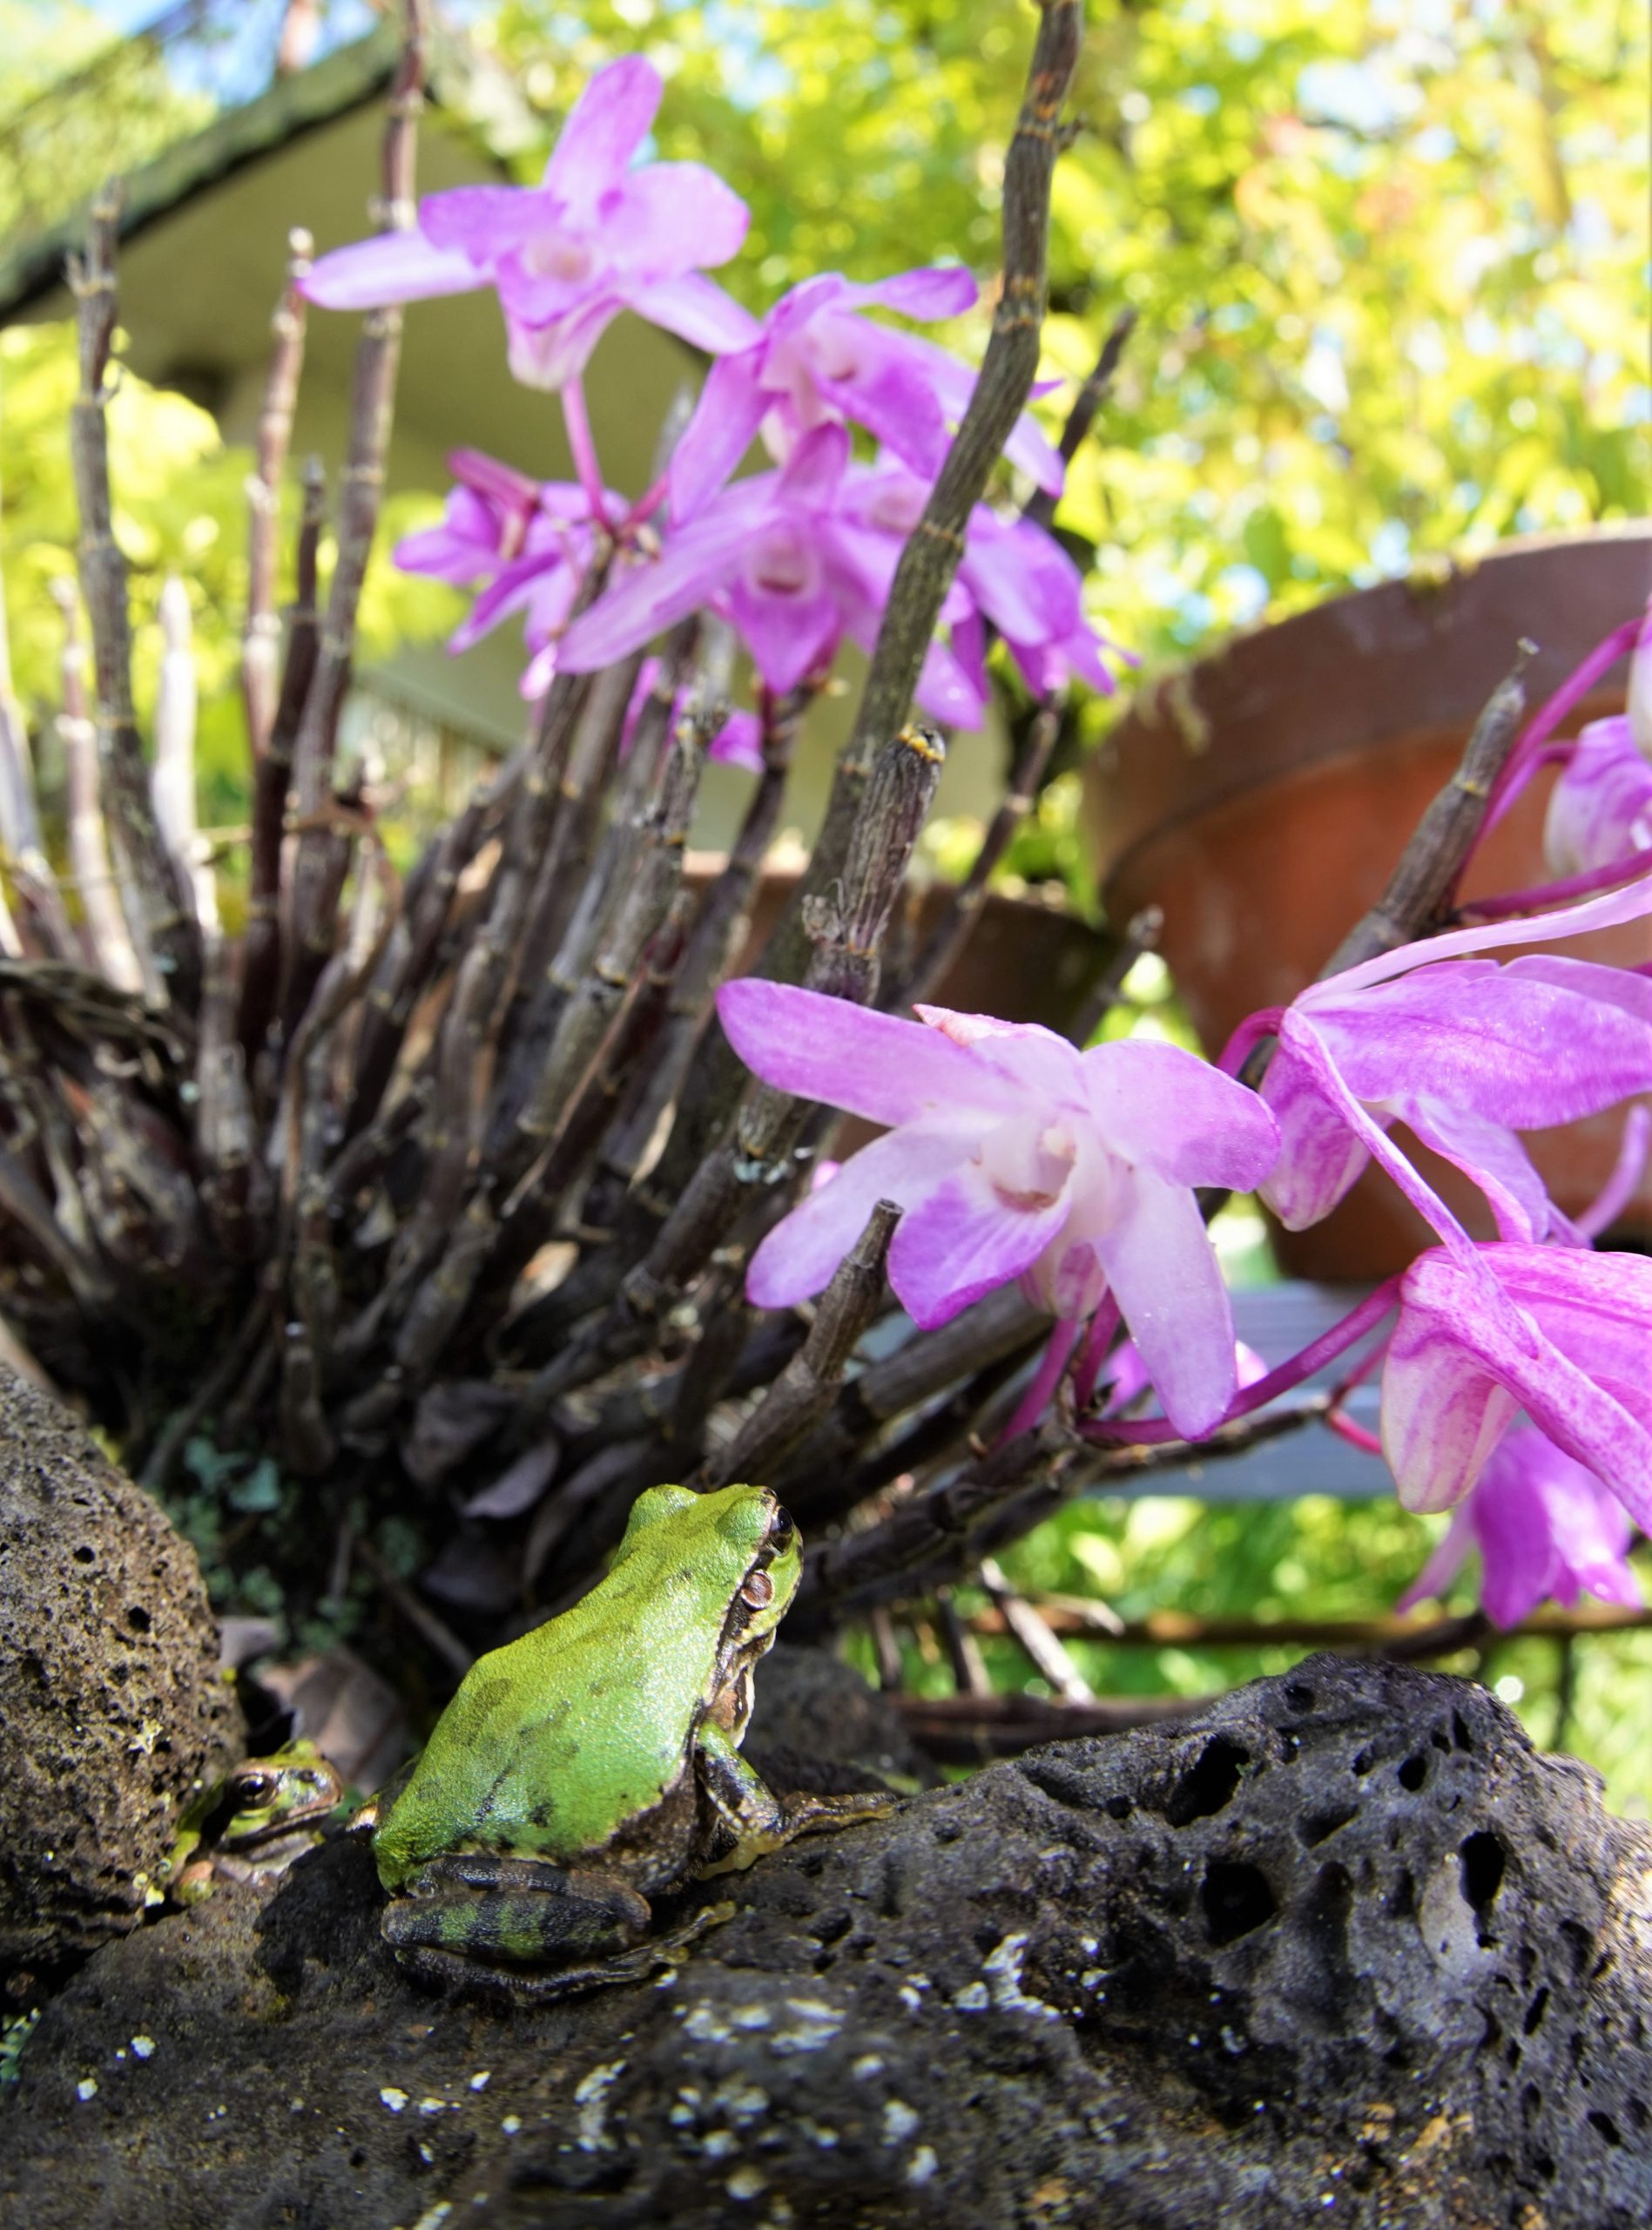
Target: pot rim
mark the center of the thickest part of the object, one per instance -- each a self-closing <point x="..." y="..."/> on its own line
<point x="1359" y="672"/>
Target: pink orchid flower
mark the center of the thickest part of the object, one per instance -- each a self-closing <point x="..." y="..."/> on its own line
<point x="1013" y="573"/>
<point x="739" y="742"/>
<point x="566" y="256"/>
<point x="1546" y="1528"/>
<point x="816" y="361"/>
<point x="1570" y="1346"/>
<point x="778" y="555"/>
<point x="1013" y="1156"/>
<point x="1600" y="811"/>
<point x="532" y="561"/>
<point x="1467" y="1053"/>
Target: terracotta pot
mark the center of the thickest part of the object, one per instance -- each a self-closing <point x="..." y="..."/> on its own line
<point x="1262" y="797"/>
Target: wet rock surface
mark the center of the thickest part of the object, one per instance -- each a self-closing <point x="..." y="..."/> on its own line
<point x="1343" y="1949"/>
<point x="111" y="1704"/>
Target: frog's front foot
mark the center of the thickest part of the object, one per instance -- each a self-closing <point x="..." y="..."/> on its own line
<point x="528" y="1928"/>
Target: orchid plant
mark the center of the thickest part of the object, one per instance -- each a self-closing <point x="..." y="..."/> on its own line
<point x="316" y="1179"/>
<point x="1013" y="1156"/>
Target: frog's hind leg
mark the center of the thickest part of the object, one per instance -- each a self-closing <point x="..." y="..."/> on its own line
<point x="492" y="1924"/>
<point x="751" y="1820"/>
<point x="488" y="1909"/>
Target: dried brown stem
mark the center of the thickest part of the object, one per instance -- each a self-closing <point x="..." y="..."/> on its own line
<point x="106" y="934"/>
<point x="1419" y="890"/>
<point x="261" y="635"/>
<point x="644" y="898"/>
<point x="931" y="1538"/>
<point x="322" y="857"/>
<point x="272" y="777"/>
<point x="951" y="932"/>
<point x="712" y="947"/>
<point x="973" y="1730"/>
<point x="1040" y="507"/>
<point x="223" y="1110"/>
<point x="847" y="928"/>
<point x="804" y="1391"/>
<point x="933" y="550"/>
<point x="1039" y="1639"/>
<point x="158" y="917"/>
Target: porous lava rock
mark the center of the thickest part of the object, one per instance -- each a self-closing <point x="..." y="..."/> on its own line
<point x="112" y="1709"/>
<point x="1341" y="1949"/>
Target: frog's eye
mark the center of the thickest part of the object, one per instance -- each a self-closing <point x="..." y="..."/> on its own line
<point x="252" y="1788"/>
<point x="758" y="1590"/>
<point x="781" y="1528"/>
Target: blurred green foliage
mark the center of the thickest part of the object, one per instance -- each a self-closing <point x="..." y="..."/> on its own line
<point x="1387" y="255"/>
<point x="1315" y="1557"/>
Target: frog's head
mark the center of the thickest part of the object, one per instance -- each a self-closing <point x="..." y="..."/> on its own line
<point x="740" y="1547"/>
<point x="267" y="1797"/>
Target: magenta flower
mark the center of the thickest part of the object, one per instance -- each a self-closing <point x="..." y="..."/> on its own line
<point x="1013" y="1156"/>
<point x="484" y="523"/>
<point x="1546" y="1529"/>
<point x="1570" y="1347"/>
<point x="533" y="560"/>
<point x="780" y="556"/>
<point x="1467" y="1053"/>
<point x="739" y="742"/>
<point x="815" y="361"/>
<point x="1012" y="573"/>
<point x="594" y="238"/>
<point x="1600" y="809"/>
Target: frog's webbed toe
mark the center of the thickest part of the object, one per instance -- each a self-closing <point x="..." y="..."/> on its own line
<point x="749" y="1820"/>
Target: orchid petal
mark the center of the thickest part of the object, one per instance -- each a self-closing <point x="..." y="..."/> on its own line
<point x="1519" y="1050"/>
<point x="394" y="267"/>
<point x="1165" y="1275"/>
<point x="798" y="1256"/>
<point x="879" y="386"/>
<point x="1609" y="911"/>
<point x="812" y="472"/>
<point x="1022" y="580"/>
<point x="941" y="290"/>
<point x="1600" y="809"/>
<point x="675" y="217"/>
<point x="790" y="635"/>
<point x="1168" y="1111"/>
<point x="1319" y="1156"/>
<point x="1516" y="1549"/>
<point x="1296" y="1032"/>
<point x="739" y="742"/>
<point x="1454" y="1376"/>
<point x="872" y="1065"/>
<point x="487" y="222"/>
<point x="1587" y="979"/>
<point x="603" y="130"/>
<point x="1489" y="1155"/>
<point x="1447" y="1559"/>
<point x="695" y="561"/>
<point x="695" y="309"/>
<point x="1027" y="448"/>
<point x="975" y="1232"/>
<point x="723" y="427"/>
<point x="549" y="355"/>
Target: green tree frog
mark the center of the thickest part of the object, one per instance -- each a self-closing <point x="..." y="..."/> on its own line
<point x="596" y="1762"/>
<point x="251" y="1825"/>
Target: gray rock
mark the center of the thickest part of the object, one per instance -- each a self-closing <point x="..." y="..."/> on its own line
<point x="111" y="1707"/>
<point x="1344" y="1949"/>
